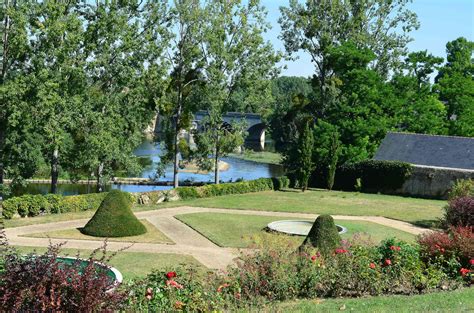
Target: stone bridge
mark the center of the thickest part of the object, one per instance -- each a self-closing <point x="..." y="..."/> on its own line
<point x="255" y="126"/>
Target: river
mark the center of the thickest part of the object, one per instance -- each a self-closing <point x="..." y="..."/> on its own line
<point x="239" y="169"/>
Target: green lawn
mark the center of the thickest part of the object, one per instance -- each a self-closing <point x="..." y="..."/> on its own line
<point x="260" y="157"/>
<point x="454" y="301"/>
<point x="236" y="230"/>
<point x="133" y="264"/>
<point x="153" y="235"/>
<point x="413" y="210"/>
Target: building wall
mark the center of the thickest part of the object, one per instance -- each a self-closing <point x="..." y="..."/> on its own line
<point x="432" y="182"/>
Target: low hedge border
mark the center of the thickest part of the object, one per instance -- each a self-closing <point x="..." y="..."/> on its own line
<point x="34" y="205"/>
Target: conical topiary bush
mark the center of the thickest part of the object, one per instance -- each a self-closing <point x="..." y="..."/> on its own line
<point x="114" y="218"/>
<point x="323" y="235"/>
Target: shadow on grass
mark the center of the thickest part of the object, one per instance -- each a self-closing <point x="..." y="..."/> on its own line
<point x="430" y="224"/>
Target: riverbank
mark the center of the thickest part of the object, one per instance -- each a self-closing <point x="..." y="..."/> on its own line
<point x="265" y="157"/>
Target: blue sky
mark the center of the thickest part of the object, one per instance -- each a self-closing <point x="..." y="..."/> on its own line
<point x="441" y="21"/>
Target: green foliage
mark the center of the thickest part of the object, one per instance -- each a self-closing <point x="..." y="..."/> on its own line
<point x="280" y="183"/>
<point x="114" y="218"/>
<point x="33" y="205"/>
<point x="213" y="190"/>
<point x="323" y="235"/>
<point x="375" y="175"/>
<point x="462" y="188"/>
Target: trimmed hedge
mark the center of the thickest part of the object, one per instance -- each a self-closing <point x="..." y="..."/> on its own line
<point x="375" y="175"/>
<point x="323" y="235"/>
<point x="114" y="218"/>
<point x="261" y="184"/>
<point x="34" y="205"/>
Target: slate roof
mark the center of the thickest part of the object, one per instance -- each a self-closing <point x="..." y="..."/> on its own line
<point x="428" y="150"/>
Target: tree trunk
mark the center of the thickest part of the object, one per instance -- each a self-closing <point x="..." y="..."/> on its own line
<point x="54" y="170"/>
<point x="2" y="143"/>
<point x="216" y="162"/>
<point x="100" y="178"/>
<point x="176" y="141"/>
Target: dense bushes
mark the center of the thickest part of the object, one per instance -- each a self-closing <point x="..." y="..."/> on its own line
<point x="462" y="188"/>
<point x="212" y="190"/>
<point x="114" y="218"/>
<point x="460" y="212"/>
<point x="38" y="283"/>
<point x="33" y="205"/>
<point x="374" y="175"/>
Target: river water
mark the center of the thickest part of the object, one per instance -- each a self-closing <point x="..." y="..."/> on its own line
<point x="239" y="169"/>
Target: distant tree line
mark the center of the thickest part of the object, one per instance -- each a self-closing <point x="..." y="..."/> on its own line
<point x="81" y="80"/>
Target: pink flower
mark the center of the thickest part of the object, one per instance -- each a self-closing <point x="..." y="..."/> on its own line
<point x="471" y="261"/>
<point x="395" y="248"/>
<point x="219" y="289"/>
<point x="149" y="293"/>
<point x="178" y="305"/>
<point x="174" y="284"/>
<point x="388" y="262"/>
<point x="464" y="271"/>
<point x="372" y="265"/>
<point x="340" y="251"/>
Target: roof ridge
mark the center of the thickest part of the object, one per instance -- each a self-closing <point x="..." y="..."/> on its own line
<point x="429" y="135"/>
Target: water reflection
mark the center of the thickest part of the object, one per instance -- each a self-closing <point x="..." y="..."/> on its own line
<point x="246" y="170"/>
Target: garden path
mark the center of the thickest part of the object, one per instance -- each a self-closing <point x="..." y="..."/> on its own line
<point x="187" y="240"/>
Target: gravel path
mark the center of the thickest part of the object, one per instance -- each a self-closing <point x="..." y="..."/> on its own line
<point x="187" y="241"/>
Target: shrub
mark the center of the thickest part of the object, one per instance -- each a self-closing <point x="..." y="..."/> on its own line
<point x="460" y="212"/>
<point x="114" y="218"/>
<point x="451" y="250"/>
<point x="281" y="182"/>
<point x="462" y="188"/>
<point x="38" y="283"/>
<point x="375" y="175"/>
<point x="181" y="289"/>
<point x="186" y="193"/>
<point x="33" y="205"/>
<point x="323" y="235"/>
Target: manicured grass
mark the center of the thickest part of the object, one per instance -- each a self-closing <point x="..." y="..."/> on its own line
<point x="133" y="264"/>
<point x="153" y="235"/>
<point x="413" y="210"/>
<point x="236" y="230"/>
<point x="454" y="301"/>
<point x="260" y="157"/>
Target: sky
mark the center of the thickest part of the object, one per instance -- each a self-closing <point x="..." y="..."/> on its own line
<point x="440" y="21"/>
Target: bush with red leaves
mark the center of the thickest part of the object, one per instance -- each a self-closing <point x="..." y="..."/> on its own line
<point x="452" y="249"/>
<point x="39" y="283"/>
<point x="460" y="212"/>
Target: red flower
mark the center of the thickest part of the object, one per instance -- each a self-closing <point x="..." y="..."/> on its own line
<point x="372" y="265"/>
<point x="174" y="284"/>
<point x="388" y="262"/>
<point x="340" y="251"/>
<point x="464" y="271"/>
<point x="170" y="275"/>
<point x="313" y="258"/>
<point x="395" y="248"/>
<point x="219" y="289"/>
<point x="471" y="261"/>
<point x="149" y="293"/>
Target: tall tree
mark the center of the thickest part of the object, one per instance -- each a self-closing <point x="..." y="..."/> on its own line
<point x="57" y="77"/>
<point x="418" y="108"/>
<point x="14" y="50"/>
<point x="186" y="59"/>
<point x="318" y="25"/>
<point x="124" y="77"/>
<point x="235" y="55"/>
<point x="455" y="86"/>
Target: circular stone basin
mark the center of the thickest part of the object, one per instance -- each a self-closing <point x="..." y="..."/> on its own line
<point x="112" y="273"/>
<point x="299" y="228"/>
